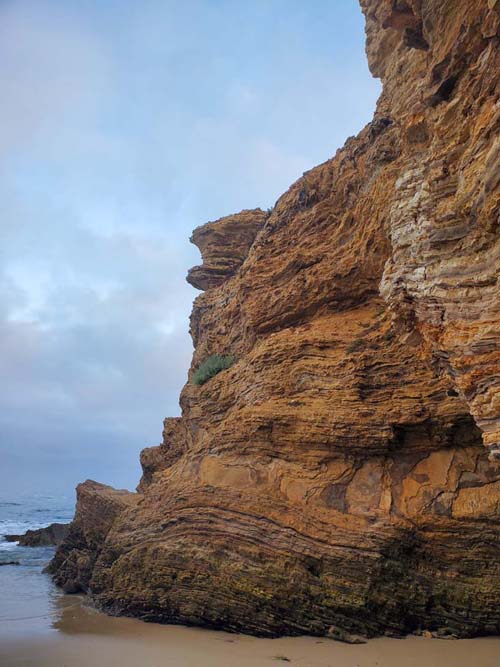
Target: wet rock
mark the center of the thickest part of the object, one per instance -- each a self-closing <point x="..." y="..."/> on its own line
<point x="97" y="508"/>
<point x="51" y="535"/>
<point x="71" y="587"/>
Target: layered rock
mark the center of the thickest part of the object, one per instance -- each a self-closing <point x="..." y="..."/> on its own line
<point x="156" y="459"/>
<point x="51" y="535"/>
<point x="224" y="244"/>
<point x="443" y="217"/>
<point x="335" y="480"/>
<point x="97" y="508"/>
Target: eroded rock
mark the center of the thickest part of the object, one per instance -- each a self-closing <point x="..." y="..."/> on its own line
<point x="335" y="480"/>
<point x="97" y="508"/>
<point x="51" y="535"/>
<point x="224" y="245"/>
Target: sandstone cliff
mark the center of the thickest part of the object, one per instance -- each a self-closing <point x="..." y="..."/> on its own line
<point x="340" y="477"/>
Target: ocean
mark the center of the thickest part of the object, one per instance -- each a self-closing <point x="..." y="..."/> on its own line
<point x="30" y="603"/>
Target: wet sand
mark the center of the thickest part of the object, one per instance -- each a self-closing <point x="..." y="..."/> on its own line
<point x="82" y="637"/>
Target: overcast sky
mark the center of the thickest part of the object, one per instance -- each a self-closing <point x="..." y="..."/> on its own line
<point x="124" y="125"/>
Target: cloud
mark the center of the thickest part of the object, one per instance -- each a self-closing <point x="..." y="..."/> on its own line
<point x="50" y="69"/>
<point x="123" y="126"/>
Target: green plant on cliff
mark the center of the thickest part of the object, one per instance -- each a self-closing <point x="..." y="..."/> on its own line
<point x="214" y="364"/>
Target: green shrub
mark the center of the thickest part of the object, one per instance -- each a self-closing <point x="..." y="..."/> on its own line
<point x="211" y="366"/>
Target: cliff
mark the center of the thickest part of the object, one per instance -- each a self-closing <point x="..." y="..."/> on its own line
<point x="341" y="478"/>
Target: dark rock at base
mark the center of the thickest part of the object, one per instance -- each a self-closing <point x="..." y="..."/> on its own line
<point x="51" y="535"/>
<point x="97" y="508"/>
<point x="71" y="587"/>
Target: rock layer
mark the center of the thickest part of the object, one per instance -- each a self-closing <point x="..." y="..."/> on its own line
<point x="97" y="508"/>
<point x="224" y="244"/>
<point x="340" y="478"/>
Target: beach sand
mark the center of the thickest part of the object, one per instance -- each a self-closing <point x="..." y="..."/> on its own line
<point x="83" y="637"/>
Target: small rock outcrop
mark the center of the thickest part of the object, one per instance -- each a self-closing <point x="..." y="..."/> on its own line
<point x="341" y="477"/>
<point x="97" y="508"/>
<point x="51" y="535"/>
<point x="156" y="459"/>
<point x="224" y="244"/>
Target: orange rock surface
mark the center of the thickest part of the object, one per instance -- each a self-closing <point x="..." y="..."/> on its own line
<point x="341" y="477"/>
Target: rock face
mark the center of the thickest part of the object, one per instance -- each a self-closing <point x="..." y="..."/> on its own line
<point x="51" y="535"/>
<point x="97" y="508"/>
<point x="340" y="478"/>
<point x="224" y="245"/>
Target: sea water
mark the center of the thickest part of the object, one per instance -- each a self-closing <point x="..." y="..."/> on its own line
<point x="28" y="598"/>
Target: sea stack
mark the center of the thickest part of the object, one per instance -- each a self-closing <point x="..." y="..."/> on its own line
<point x="341" y="477"/>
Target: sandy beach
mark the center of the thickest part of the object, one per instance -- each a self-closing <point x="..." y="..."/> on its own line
<point x="83" y="637"/>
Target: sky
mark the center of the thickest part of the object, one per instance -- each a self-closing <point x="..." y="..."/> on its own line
<point x="123" y="126"/>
